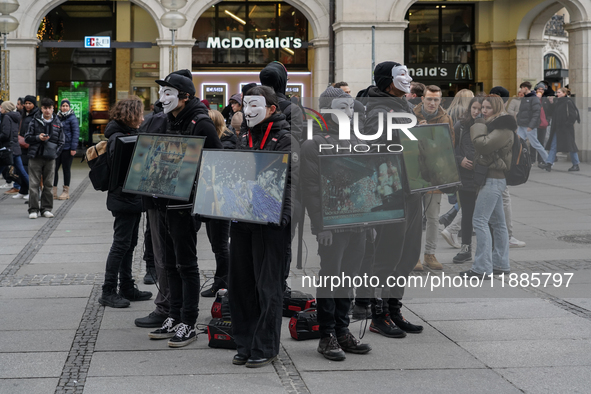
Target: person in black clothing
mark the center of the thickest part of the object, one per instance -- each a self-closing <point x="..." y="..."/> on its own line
<point x="464" y="152"/>
<point x="398" y="245"/>
<point x="126" y="117"/>
<point x="340" y="250"/>
<point x="9" y="139"/>
<point x="174" y="230"/>
<point x="256" y="275"/>
<point x="46" y="139"/>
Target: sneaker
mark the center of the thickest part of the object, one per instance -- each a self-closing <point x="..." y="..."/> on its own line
<point x="167" y="330"/>
<point x="47" y="214"/>
<point x="431" y="262"/>
<point x="385" y="326"/>
<point x="184" y="335"/>
<point x="7" y="186"/>
<point x="26" y="198"/>
<point x="350" y="344"/>
<point x="33" y="215"/>
<point x="135" y="294"/>
<point x="500" y="272"/>
<point x="112" y="299"/>
<point x="448" y="217"/>
<point x="404" y="324"/>
<point x="418" y="267"/>
<point x="361" y="312"/>
<point x="209" y="293"/>
<point x="450" y="238"/>
<point x="151" y="277"/>
<point x="515" y="243"/>
<point x="464" y="256"/>
<point x="153" y="320"/>
<point x="329" y="347"/>
<point x="12" y="191"/>
<point x="17" y="196"/>
<point x="545" y="166"/>
<point x="471" y="273"/>
<point x="575" y="168"/>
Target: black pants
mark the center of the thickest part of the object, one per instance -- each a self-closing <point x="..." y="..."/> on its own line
<point x="120" y="257"/>
<point x="468" y="201"/>
<point x="65" y="160"/>
<point x="365" y="293"/>
<point x="148" y="247"/>
<point x="342" y="258"/>
<point x="218" y="232"/>
<point x="398" y="248"/>
<point x="174" y="237"/>
<point x="255" y="287"/>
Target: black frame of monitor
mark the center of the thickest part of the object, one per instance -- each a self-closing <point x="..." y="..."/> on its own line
<point x="234" y="151"/>
<point x="164" y="195"/>
<point x="120" y="143"/>
<point x="439" y="187"/>
<point x="371" y="223"/>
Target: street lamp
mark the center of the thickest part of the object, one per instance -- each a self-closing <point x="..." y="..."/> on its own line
<point x="8" y="24"/>
<point x="173" y="20"/>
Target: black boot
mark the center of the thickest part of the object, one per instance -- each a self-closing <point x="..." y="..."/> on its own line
<point x="448" y="217"/>
<point x="574" y="168"/>
<point x="112" y="299"/>
<point x="151" y="277"/>
<point x="404" y="324"/>
<point x="132" y="293"/>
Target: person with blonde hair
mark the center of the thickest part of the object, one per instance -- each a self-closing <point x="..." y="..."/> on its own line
<point x="459" y="105"/>
<point x="228" y="139"/>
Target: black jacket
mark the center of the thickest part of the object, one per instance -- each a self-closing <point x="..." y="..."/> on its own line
<point x="229" y="140"/>
<point x="564" y="116"/>
<point x="379" y="101"/>
<point x="529" y="111"/>
<point x="465" y="148"/>
<point x="26" y="120"/>
<point x="9" y="132"/>
<point x="279" y="139"/>
<point x="37" y="127"/>
<point x="117" y="201"/>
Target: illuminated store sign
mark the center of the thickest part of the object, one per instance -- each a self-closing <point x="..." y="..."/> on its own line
<point x="239" y="42"/>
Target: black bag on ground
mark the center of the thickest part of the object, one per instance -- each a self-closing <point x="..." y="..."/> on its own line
<point x="96" y="157"/>
<point x="296" y="301"/>
<point x="219" y="333"/>
<point x="518" y="174"/>
<point x="304" y="325"/>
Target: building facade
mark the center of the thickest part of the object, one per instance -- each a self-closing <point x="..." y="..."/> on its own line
<point x="455" y="44"/>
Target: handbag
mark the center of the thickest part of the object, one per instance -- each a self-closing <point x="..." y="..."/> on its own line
<point x="49" y="150"/>
<point x="22" y="143"/>
<point x="5" y="157"/>
<point x="543" y="120"/>
<point x="480" y="173"/>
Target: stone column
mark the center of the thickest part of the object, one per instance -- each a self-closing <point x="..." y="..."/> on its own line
<point x="184" y="57"/>
<point x="579" y="74"/>
<point x="23" y="69"/>
<point x="320" y="67"/>
<point x="527" y="56"/>
<point x="123" y="55"/>
<point x="353" y="49"/>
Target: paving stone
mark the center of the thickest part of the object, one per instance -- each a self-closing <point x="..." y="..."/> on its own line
<point x="31" y="365"/>
<point x="21" y="341"/>
<point x="45" y="314"/>
<point x="28" y="386"/>
<point x="549" y="380"/>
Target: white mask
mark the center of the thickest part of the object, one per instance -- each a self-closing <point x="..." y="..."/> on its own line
<point x="345" y="104"/>
<point x="169" y="97"/>
<point x="255" y="109"/>
<point x="401" y="78"/>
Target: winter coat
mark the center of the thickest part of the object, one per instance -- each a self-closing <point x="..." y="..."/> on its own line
<point x="279" y="139"/>
<point x="529" y="111"/>
<point x="465" y="148"/>
<point x="117" y="201"/>
<point x="37" y="127"/>
<point x="564" y="116"/>
<point x="71" y="129"/>
<point x="229" y="139"/>
<point x="26" y="120"/>
<point x="382" y="102"/>
<point x="512" y="107"/>
<point x="493" y="142"/>
<point x="9" y="132"/>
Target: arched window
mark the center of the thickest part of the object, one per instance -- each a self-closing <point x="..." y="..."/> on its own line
<point x="552" y="62"/>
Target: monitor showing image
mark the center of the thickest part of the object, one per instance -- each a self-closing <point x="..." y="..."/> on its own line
<point x="246" y="186"/>
<point x="361" y="189"/>
<point x="124" y="147"/>
<point x="430" y="161"/>
<point x="164" y="166"/>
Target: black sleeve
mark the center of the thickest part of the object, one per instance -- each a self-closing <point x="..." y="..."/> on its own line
<point x="205" y="128"/>
<point x="284" y="145"/>
<point x="31" y="134"/>
<point x="536" y="107"/>
<point x="310" y="183"/>
<point x="5" y="131"/>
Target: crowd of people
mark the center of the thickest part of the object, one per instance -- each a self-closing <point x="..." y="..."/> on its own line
<point x="252" y="259"/>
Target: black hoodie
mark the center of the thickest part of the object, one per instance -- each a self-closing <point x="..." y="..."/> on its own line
<point x="382" y="102"/>
<point x="9" y="132"/>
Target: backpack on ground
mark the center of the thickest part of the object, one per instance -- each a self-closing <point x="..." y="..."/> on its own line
<point x="520" y="163"/>
<point x="96" y="157"/>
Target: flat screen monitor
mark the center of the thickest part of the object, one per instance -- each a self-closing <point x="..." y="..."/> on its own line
<point x="430" y="161"/>
<point x="124" y="147"/>
<point x="164" y="166"/>
<point x="245" y="186"/>
<point x="361" y="189"/>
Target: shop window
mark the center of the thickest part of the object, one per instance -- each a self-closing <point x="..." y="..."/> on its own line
<point x="552" y="62"/>
<point x="239" y="33"/>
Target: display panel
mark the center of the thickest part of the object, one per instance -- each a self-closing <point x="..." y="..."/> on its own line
<point x="430" y="161"/>
<point x="124" y="147"/>
<point x="361" y="189"/>
<point x="164" y="166"/>
<point x="246" y="186"/>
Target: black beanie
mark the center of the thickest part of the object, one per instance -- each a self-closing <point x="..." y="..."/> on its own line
<point x="500" y="91"/>
<point x="31" y="99"/>
<point x="65" y="101"/>
<point x="382" y="74"/>
<point x="247" y="87"/>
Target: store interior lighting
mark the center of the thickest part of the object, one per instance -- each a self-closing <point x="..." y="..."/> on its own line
<point x="235" y="17"/>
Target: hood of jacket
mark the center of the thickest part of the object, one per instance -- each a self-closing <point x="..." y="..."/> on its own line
<point x="14" y="116"/>
<point x="502" y="121"/>
<point x="279" y="123"/>
<point x="274" y="75"/>
<point x="33" y="112"/>
<point x="193" y="107"/>
<point x="64" y="115"/>
<point x="117" y="127"/>
<point x="531" y="94"/>
<point x="379" y="98"/>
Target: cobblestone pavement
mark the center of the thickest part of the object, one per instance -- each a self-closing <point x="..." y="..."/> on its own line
<point x="514" y="339"/>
